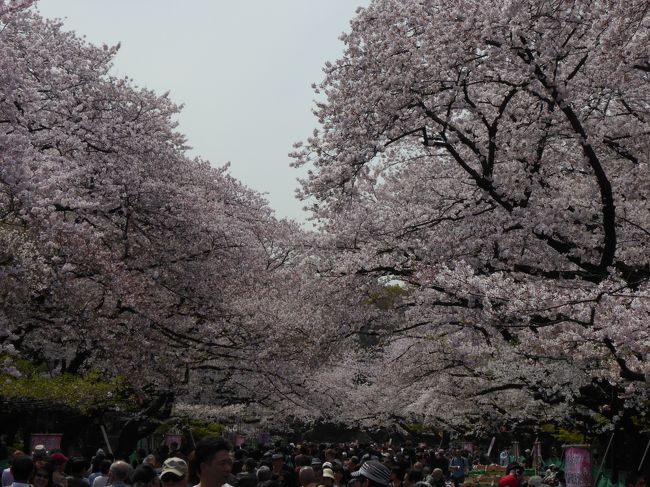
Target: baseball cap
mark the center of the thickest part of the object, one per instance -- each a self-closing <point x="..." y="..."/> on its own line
<point x="329" y="473"/>
<point x="174" y="465"/>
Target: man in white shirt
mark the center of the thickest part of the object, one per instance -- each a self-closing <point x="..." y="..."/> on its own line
<point x="212" y="464"/>
<point x="102" y="479"/>
<point x="7" y="478"/>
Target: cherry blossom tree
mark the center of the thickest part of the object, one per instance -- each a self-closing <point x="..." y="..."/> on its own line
<point x="490" y="159"/>
<point x="479" y="184"/>
<point x="119" y="253"/>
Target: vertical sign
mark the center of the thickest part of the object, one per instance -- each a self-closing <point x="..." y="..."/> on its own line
<point x="467" y="445"/>
<point x="173" y="438"/>
<point x="577" y="467"/>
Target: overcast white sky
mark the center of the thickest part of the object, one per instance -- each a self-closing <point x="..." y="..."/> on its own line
<point x="243" y="69"/>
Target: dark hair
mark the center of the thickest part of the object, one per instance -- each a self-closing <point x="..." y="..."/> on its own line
<point x="47" y="467"/>
<point x="269" y="483"/>
<point x="96" y="462"/>
<point x="205" y="450"/>
<point x="414" y="475"/>
<point x="263" y="474"/>
<point x="105" y="466"/>
<point x="76" y="466"/>
<point x="371" y="483"/>
<point x="22" y="467"/>
<point x="143" y="475"/>
<point x="306" y="475"/>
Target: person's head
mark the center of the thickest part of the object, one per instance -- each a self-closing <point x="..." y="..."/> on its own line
<point x="42" y="475"/>
<point x="144" y="476"/>
<point x="412" y="477"/>
<point x="39" y="456"/>
<point x="635" y="479"/>
<point x="58" y="461"/>
<point x="119" y="472"/>
<point x="104" y="467"/>
<point x="39" y="452"/>
<point x="77" y="467"/>
<point x="150" y="460"/>
<point x="277" y="460"/>
<point x="263" y="474"/>
<point x="306" y="476"/>
<point x="328" y="477"/>
<point x="250" y="464"/>
<point x="373" y="474"/>
<point x="174" y="473"/>
<point x="211" y="463"/>
<point x="436" y="475"/>
<point x="22" y="468"/>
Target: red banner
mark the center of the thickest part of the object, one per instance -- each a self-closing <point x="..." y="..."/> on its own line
<point x="49" y="441"/>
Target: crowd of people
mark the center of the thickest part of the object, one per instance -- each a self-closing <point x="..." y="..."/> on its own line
<point x="214" y="463"/>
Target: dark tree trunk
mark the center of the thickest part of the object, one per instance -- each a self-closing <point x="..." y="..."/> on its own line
<point x="145" y="422"/>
